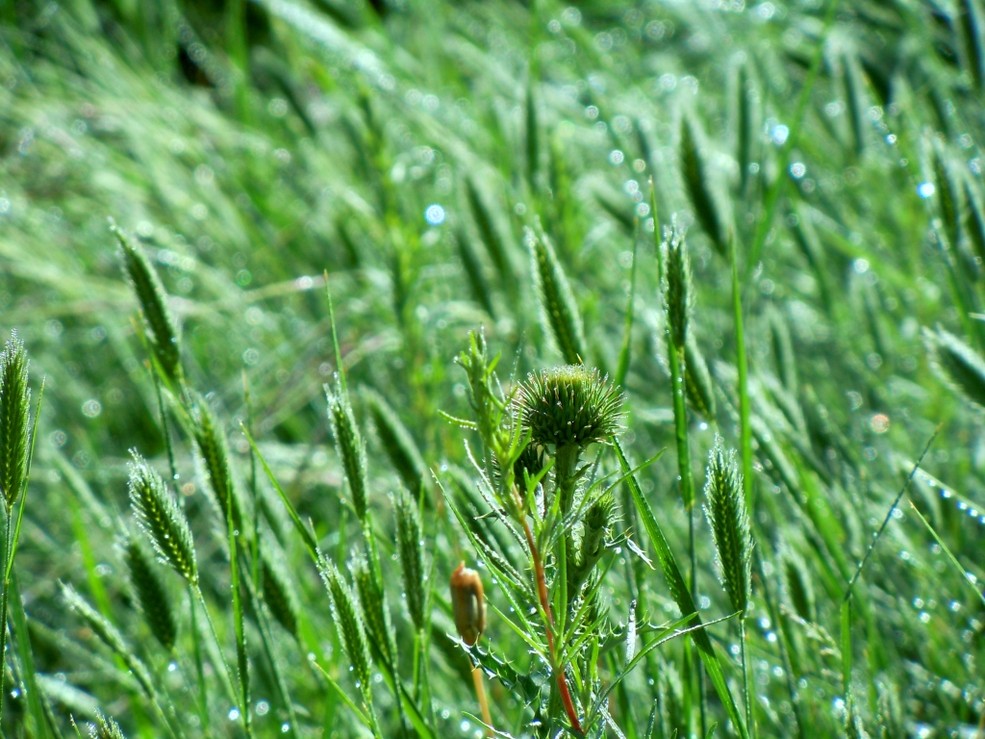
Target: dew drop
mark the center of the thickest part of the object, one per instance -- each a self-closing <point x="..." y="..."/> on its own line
<point x="926" y="189"/>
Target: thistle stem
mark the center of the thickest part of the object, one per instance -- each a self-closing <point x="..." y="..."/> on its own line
<point x="545" y="603"/>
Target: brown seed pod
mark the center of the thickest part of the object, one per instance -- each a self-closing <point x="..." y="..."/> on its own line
<point x="468" y="604"/>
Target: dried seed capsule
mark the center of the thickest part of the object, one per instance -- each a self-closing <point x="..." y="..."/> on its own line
<point x="468" y="604"/>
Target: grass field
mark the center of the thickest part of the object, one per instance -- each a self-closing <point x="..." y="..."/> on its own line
<point x="665" y="318"/>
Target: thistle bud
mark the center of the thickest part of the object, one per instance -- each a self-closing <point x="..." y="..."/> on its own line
<point x="468" y="604"/>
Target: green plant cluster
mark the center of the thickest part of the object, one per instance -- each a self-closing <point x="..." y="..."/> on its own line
<point x="492" y="368"/>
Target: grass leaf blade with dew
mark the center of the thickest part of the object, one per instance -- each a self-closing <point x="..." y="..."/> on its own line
<point x="680" y="593"/>
<point x="307" y="536"/>
<point x="966" y="576"/>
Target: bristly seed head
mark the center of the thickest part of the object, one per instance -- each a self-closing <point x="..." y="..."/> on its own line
<point x="569" y="406"/>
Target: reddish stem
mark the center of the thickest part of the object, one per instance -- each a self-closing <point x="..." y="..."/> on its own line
<point x="541" y="581"/>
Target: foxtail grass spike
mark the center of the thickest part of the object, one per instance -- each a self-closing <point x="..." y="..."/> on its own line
<point x="468" y="604"/>
<point x="15" y="420"/>
<point x="162" y="520"/>
<point x="105" y="727"/>
<point x="349" y="623"/>
<point x="532" y="131"/>
<point x="489" y="232"/>
<point x="949" y="194"/>
<point x="972" y="29"/>
<point x="211" y="442"/>
<point x="697" y="379"/>
<point x="698" y="179"/>
<point x="855" y="99"/>
<point x="349" y="446"/>
<point x="372" y="598"/>
<point x="558" y="307"/>
<point x="472" y="264"/>
<point x="974" y="224"/>
<point x="726" y="512"/>
<point x="278" y="592"/>
<point x="678" y="288"/>
<point x="410" y="550"/>
<point x="151" y="594"/>
<point x="398" y="444"/>
<point x="163" y="331"/>
<point x="958" y="364"/>
<point x="748" y="122"/>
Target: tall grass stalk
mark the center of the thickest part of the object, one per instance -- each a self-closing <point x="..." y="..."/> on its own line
<point x="17" y="440"/>
<point x="678" y="292"/>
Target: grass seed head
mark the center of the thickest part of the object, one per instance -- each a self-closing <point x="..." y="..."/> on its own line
<point x="155" y="603"/>
<point x="162" y="520"/>
<point x="559" y="309"/>
<point x="278" y="593"/>
<point x="726" y="512"/>
<point x="349" y="446"/>
<point x="678" y="289"/>
<point x="410" y="538"/>
<point x="162" y="328"/>
<point x="15" y="402"/>
<point x="349" y="622"/>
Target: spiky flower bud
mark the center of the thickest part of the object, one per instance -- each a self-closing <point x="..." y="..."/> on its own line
<point x="468" y="604"/>
<point x="569" y="406"/>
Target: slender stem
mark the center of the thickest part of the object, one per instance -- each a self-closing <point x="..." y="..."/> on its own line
<point x="742" y="366"/>
<point x="480" y="694"/>
<point x="231" y="679"/>
<point x="675" y="358"/>
<point x="545" y="603"/>
<point x="203" y="698"/>
<point x="3" y="606"/>
<point x="746" y="686"/>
